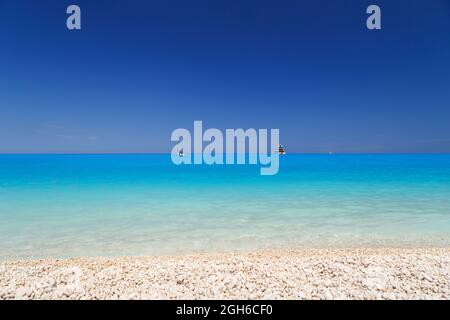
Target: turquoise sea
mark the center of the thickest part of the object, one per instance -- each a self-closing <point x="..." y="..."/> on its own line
<point x="112" y="205"/>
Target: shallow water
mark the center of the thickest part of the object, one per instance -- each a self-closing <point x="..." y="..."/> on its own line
<point x="111" y="205"/>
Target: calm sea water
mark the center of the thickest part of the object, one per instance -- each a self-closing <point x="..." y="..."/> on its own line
<point x="111" y="205"/>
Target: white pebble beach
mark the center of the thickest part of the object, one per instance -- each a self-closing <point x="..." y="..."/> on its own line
<point x="282" y="274"/>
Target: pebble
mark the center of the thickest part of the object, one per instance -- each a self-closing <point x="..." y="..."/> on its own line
<point x="284" y="274"/>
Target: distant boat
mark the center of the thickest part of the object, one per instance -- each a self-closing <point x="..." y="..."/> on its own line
<point x="281" y="150"/>
<point x="180" y="153"/>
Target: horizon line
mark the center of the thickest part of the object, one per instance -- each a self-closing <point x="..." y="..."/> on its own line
<point x="169" y="153"/>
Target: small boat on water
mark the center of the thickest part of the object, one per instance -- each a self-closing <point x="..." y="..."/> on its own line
<point x="281" y="150"/>
<point x="180" y="153"/>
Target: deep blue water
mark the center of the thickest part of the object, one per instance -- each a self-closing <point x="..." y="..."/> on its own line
<point x="109" y="205"/>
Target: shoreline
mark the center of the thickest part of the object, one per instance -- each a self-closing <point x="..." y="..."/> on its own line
<point x="354" y="273"/>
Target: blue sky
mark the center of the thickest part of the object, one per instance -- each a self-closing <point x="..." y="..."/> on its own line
<point x="139" y="69"/>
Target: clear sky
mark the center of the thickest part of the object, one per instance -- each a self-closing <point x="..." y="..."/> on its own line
<point x="139" y="69"/>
